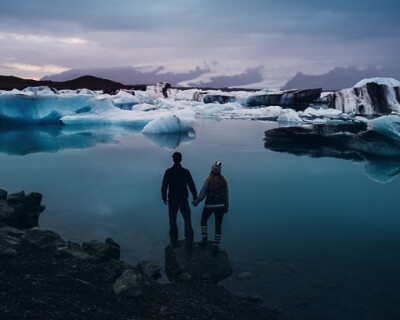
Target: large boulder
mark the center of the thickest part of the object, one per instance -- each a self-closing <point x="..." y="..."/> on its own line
<point x="102" y="251"/>
<point x="149" y="269"/>
<point x="44" y="241"/>
<point x="132" y="284"/>
<point x="196" y="263"/>
<point x="10" y="240"/>
<point x="19" y="210"/>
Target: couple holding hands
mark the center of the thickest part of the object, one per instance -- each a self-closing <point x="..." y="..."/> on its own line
<point x="176" y="182"/>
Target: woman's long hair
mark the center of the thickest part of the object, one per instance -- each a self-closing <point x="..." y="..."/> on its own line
<point x="216" y="185"/>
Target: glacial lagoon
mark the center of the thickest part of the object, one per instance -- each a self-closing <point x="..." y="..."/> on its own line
<point x="317" y="237"/>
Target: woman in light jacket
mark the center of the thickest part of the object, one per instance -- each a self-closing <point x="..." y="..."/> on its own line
<point x="215" y="190"/>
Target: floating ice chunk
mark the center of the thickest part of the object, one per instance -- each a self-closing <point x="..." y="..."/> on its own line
<point x="125" y="100"/>
<point x="216" y="110"/>
<point x="273" y="111"/>
<point x="41" y="91"/>
<point x="46" y="109"/>
<point x="361" y="119"/>
<point x="270" y="113"/>
<point x="388" y="126"/>
<point x="289" y="116"/>
<point x="390" y="82"/>
<point x="169" y="124"/>
<point x="144" y="97"/>
<point x="330" y="113"/>
<point x="186" y="94"/>
<point x="85" y="91"/>
<point x="112" y="116"/>
<point x="171" y="104"/>
<point x="144" y="107"/>
<point x="19" y="93"/>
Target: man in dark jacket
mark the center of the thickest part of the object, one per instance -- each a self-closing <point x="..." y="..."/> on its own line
<point x="176" y="180"/>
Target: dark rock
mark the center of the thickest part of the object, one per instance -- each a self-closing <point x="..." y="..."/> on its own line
<point x="7" y="253"/>
<point x="3" y="194"/>
<point x="21" y="211"/>
<point x="74" y="251"/>
<point x="33" y="199"/>
<point x="7" y="213"/>
<point x="16" y="197"/>
<point x="197" y="263"/>
<point x="149" y="269"/>
<point x="103" y="251"/>
<point x="45" y="241"/>
<point x="9" y="242"/>
<point x="131" y="284"/>
<point x="111" y="242"/>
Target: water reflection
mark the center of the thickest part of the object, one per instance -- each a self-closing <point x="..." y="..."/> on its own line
<point x="22" y="141"/>
<point x="379" y="169"/>
<point x="53" y="138"/>
<point x="171" y="140"/>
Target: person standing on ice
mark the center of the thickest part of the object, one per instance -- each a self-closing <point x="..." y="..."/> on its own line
<point x="176" y="181"/>
<point x="215" y="190"/>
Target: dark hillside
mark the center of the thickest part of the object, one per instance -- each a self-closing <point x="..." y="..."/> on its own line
<point x="88" y="82"/>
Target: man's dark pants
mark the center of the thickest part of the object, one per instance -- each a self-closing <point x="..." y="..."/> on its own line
<point x="183" y="206"/>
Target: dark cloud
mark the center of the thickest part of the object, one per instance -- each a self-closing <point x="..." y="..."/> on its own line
<point x="289" y="35"/>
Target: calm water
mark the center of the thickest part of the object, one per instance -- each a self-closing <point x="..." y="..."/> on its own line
<point x="315" y="237"/>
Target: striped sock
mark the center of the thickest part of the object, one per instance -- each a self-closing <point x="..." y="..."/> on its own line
<point x="204" y="232"/>
<point x="217" y="239"/>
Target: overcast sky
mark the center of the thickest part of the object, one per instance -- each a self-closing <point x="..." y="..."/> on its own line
<point x="42" y="37"/>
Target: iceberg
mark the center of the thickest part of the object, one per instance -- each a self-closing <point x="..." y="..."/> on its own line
<point x="388" y="126"/>
<point x="378" y="96"/>
<point x="385" y="81"/>
<point x="45" y="109"/>
<point x="169" y="124"/>
<point x="125" y="100"/>
<point x="289" y="116"/>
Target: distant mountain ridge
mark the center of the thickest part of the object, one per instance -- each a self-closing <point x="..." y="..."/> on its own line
<point x="87" y="82"/>
<point x="132" y="75"/>
<point x="339" y="78"/>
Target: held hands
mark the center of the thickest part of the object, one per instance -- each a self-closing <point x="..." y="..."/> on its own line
<point x="195" y="203"/>
<point x="165" y="202"/>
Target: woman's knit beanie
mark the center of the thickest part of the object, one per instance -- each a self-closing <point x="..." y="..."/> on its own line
<point x="216" y="167"/>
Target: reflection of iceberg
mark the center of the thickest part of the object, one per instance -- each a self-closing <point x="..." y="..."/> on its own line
<point x="382" y="171"/>
<point x="170" y="124"/>
<point x="21" y="141"/>
<point x="171" y="140"/>
<point x="377" y="144"/>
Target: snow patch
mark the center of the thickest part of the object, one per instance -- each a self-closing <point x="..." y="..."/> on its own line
<point x="390" y="82"/>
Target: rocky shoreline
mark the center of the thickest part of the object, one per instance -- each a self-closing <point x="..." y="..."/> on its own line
<point x="43" y="276"/>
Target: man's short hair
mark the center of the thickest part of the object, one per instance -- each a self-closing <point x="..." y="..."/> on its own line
<point x="177" y="157"/>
